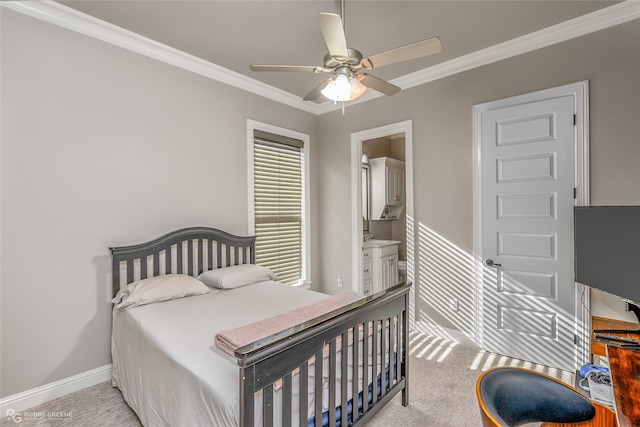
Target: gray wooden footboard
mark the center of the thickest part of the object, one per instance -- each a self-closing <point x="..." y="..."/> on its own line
<point x="273" y="362"/>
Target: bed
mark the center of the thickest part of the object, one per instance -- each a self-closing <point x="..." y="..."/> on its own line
<point x="338" y="368"/>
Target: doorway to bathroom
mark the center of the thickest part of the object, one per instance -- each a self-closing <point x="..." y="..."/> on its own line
<point x="382" y="205"/>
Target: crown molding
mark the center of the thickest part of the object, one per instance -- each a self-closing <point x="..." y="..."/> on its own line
<point x="599" y="20"/>
<point x="63" y="16"/>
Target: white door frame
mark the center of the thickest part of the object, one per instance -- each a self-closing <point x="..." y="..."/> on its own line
<point x="356" y="193"/>
<point x="580" y="93"/>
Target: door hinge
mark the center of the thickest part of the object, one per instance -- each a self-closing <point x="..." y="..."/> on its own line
<point x="575" y="192"/>
<point x="576" y="339"/>
<point x="575" y="119"/>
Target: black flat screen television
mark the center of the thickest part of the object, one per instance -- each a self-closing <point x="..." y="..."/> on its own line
<point x="607" y="249"/>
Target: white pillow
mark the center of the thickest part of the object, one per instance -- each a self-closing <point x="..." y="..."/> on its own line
<point x="236" y="276"/>
<point x="157" y="289"/>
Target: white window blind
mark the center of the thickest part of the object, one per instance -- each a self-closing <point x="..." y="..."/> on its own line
<point x="278" y="204"/>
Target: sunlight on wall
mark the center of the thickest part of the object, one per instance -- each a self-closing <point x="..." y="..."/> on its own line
<point x="513" y="312"/>
<point x="446" y="278"/>
<point x="410" y="269"/>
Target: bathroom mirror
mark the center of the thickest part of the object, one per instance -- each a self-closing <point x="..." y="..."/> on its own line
<point x="365" y="197"/>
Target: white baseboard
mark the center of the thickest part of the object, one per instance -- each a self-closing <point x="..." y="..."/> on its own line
<point x="39" y="395"/>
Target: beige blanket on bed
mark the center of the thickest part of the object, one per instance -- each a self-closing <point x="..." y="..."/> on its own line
<point x="230" y="340"/>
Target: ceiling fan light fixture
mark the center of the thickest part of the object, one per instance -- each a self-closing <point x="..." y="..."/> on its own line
<point x="357" y="88"/>
<point x="344" y="88"/>
<point x="338" y="89"/>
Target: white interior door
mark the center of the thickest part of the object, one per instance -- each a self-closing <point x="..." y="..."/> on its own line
<point x="527" y="293"/>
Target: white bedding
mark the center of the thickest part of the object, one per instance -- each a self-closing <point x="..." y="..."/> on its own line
<point x="171" y="373"/>
<point x="165" y="361"/>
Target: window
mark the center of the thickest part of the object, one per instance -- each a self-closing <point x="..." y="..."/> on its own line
<point x="278" y="204"/>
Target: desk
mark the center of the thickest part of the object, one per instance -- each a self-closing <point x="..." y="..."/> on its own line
<point x="625" y="378"/>
<point x="599" y="347"/>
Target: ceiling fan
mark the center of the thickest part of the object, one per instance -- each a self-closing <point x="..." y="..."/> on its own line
<point x="348" y="81"/>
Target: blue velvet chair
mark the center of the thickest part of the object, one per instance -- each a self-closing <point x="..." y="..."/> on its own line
<point x="511" y="397"/>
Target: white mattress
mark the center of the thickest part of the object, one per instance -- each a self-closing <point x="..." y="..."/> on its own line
<point x="171" y="373"/>
<point x="165" y="361"/>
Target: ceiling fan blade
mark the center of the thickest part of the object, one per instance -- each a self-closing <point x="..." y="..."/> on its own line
<point x="333" y="33"/>
<point x="316" y="91"/>
<point x="303" y="68"/>
<point x="404" y="53"/>
<point x="378" y="84"/>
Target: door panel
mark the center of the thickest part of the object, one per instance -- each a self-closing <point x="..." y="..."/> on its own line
<point x="529" y="283"/>
<point x="525" y="129"/>
<point x="526" y="245"/>
<point x="527" y="296"/>
<point x="536" y="167"/>
<point x="526" y="206"/>
<point x="531" y="322"/>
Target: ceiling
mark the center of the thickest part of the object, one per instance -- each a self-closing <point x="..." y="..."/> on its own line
<point x="235" y="34"/>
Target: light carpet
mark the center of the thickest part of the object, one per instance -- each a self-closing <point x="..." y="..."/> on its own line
<point x="442" y="382"/>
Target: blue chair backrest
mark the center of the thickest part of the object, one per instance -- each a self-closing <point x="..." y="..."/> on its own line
<point x="517" y="396"/>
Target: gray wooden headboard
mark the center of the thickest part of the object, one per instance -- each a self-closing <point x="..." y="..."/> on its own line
<point x="187" y="251"/>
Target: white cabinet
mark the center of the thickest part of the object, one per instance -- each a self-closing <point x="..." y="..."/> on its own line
<point x="387" y="188"/>
<point x="388" y="266"/>
<point x="394" y="173"/>
<point x="380" y="266"/>
<point x="385" y="267"/>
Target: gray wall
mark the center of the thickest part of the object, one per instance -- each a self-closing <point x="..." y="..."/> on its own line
<point x="442" y="157"/>
<point x="102" y="147"/>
